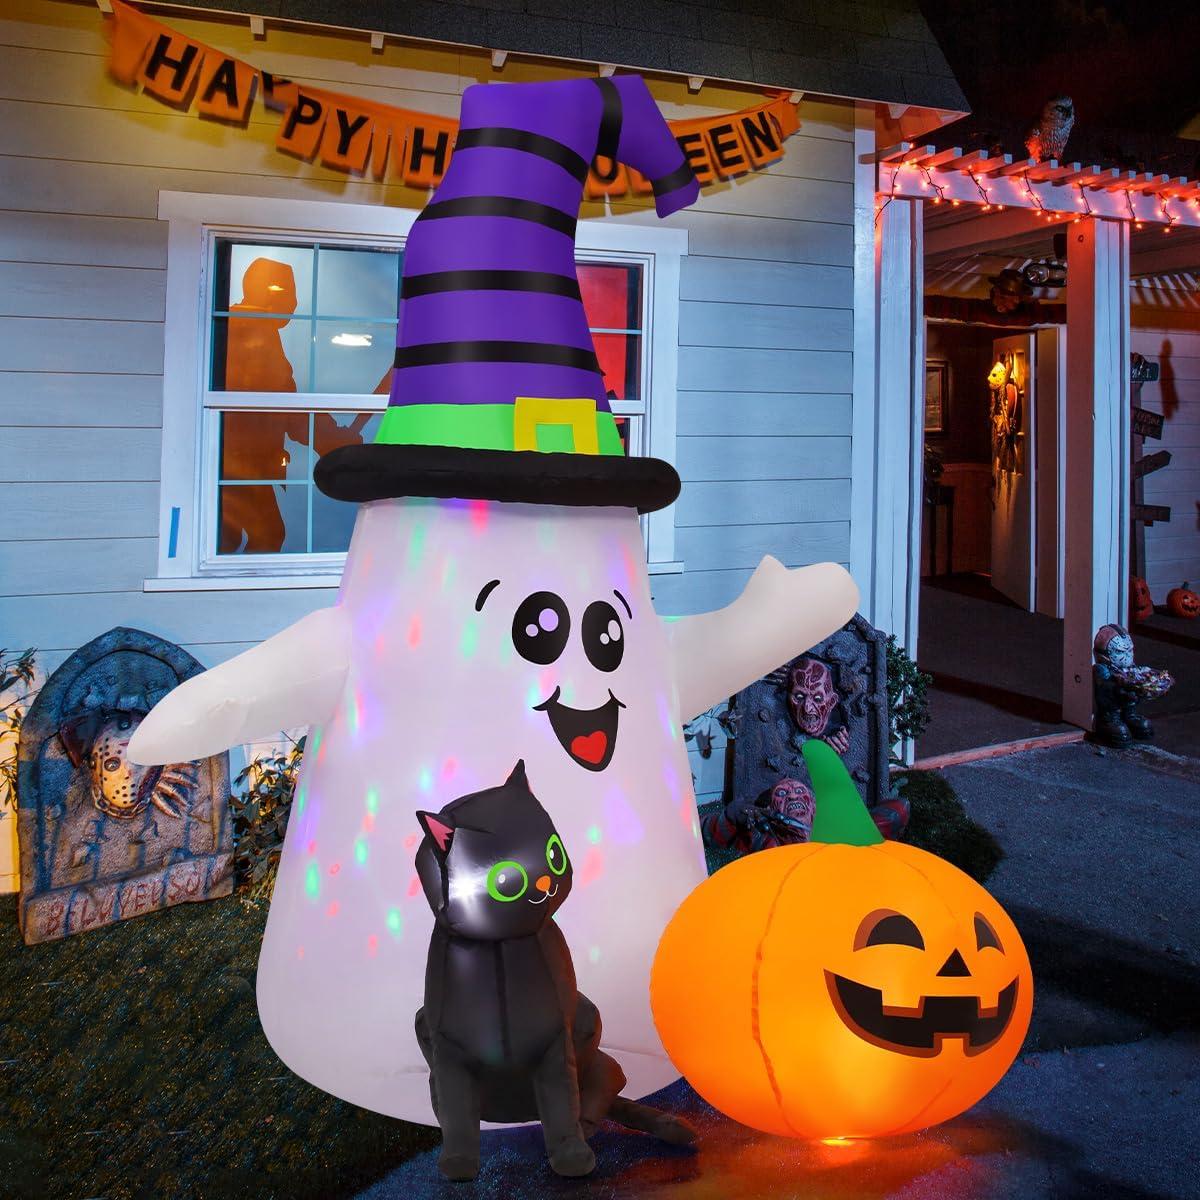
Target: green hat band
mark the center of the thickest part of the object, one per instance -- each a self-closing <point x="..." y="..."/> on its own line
<point x="494" y="427"/>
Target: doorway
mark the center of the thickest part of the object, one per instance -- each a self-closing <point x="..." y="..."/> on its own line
<point x="992" y="563"/>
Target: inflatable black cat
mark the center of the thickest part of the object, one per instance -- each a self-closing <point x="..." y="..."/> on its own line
<point x="505" y="1032"/>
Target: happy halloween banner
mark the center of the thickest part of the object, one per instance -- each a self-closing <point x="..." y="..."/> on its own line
<point x="412" y="147"/>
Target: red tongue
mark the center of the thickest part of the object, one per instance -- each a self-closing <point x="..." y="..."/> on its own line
<point x="591" y="748"/>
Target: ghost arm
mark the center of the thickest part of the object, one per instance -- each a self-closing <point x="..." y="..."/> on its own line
<point x="294" y="678"/>
<point x="780" y="614"/>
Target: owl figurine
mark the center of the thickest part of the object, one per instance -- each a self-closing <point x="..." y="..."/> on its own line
<point x="1048" y="136"/>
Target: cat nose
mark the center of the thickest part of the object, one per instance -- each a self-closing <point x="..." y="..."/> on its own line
<point x="542" y="884"/>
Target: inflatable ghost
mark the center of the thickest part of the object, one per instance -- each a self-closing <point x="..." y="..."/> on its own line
<point x="494" y="606"/>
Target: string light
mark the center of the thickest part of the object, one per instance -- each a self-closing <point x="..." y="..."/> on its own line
<point x="1169" y="216"/>
<point x="937" y="187"/>
<point x="1132" y="215"/>
<point x="1087" y="208"/>
<point x="987" y="200"/>
<point x="890" y="196"/>
<point x="1037" y="200"/>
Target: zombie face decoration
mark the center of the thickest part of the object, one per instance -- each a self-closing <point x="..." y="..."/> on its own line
<point x="120" y="789"/>
<point x="811" y="695"/>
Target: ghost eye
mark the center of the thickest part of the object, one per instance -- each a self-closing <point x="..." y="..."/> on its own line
<point x="507" y="881"/>
<point x="556" y="855"/>
<point x="985" y="935"/>
<point x="890" y="929"/>
<point x="541" y="627"/>
<point x="603" y="636"/>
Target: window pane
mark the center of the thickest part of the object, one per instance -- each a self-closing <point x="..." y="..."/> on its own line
<point x="358" y="283"/>
<point x="612" y="295"/>
<point x="354" y="356"/>
<point x="620" y="356"/>
<point x="257" y="277"/>
<point x="265" y="445"/>
<point x="261" y="354"/>
<point x="263" y="518"/>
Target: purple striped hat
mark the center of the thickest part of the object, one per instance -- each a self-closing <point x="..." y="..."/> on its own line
<point x="497" y="393"/>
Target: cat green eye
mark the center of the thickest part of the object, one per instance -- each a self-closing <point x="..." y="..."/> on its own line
<point x="556" y="854"/>
<point x="507" y="881"/>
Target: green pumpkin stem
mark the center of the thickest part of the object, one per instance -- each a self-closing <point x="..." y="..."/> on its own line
<point x="840" y="814"/>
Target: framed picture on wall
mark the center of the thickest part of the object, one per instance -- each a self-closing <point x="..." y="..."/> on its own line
<point x="937" y="395"/>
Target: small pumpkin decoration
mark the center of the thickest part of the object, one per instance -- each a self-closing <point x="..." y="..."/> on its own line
<point x="865" y="987"/>
<point x="1141" y="605"/>
<point x="1183" y="602"/>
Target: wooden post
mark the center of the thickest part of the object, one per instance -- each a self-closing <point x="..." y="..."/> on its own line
<point x="890" y="597"/>
<point x="1097" y="450"/>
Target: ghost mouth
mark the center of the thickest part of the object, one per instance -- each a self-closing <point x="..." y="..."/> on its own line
<point x="589" y="736"/>
<point x="545" y="896"/>
<point x="923" y="1032"/>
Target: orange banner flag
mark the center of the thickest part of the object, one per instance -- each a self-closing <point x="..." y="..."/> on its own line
<point x="171" y="66"/>
<point x="346" y="140"/>
<point x="303" y="123"/>
<point x="131" y="35"/>
<point x="226" y="86"/>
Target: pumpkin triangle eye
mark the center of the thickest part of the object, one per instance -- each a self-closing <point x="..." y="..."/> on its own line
<point x="985" y="935"/>
<point x="893" y="929"/>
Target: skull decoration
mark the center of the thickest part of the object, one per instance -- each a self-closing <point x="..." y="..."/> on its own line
<point x="1114" y="647"/>
<point x="118" y="787"/>
<point x="811" y="695"/>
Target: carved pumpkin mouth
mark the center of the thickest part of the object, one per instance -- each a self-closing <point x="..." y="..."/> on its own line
<point x="923" y="1032"/>
<point x="589" y="736"/>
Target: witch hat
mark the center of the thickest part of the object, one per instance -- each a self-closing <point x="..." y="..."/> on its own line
<point x="497" y="393"/>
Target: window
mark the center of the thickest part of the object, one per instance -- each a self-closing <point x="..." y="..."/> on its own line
<point x="280" y="331"/>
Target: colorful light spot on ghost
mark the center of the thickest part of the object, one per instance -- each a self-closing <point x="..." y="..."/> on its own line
<point x="425" y="780"/>
<point x="687" y="812"/>
<point x="416" y="546"/>
<point x="414" y="886"/>
<point x="593" y="834"/>
<point x="354" y="712"/>
<point x="372" y="945"/>
<point x="568" y="694"/>
<point x="593" y="866"/>
<point x="469" y="640"/>
<point x="360" y="851"/>
<point x="449" y="769"/>
<point x="312" y="847"/>
<point x="380" y="646"/>
<point x="547" y="534"/>
<point x="312" y="881"/>
<point x="395" y="922"/>
<point x="593" y="954"/>
<point x="632" y="570"/>
<point x="334" y="868"/>
<point x="368" y="823"/>
<point x="449" y="570"/>
<point x="372" y="800"/>
<point x="300" y="952"/>
<point x="695" y="826"/>
<point x="622" y="822"/>
<point x="410" y="841"/>
<point x="301" y="799"/>
<point x="479" y="515"/>
<point x="333" y="909"/>
<point x="664" y="715"/>
<point x="414" y="631"/>
<point x="533" y="697"/>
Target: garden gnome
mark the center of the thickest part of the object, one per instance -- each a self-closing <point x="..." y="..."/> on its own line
<point x="495" y="605"/>
<point x="1119" y="687"/>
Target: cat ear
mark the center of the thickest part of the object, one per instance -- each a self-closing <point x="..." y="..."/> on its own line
<point x="517" y="775"/>
<point x="437" y="830"/>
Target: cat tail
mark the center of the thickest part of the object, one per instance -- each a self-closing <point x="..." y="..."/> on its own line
<point x="642" y="1117"/>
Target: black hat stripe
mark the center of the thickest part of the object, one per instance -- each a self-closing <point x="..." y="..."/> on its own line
<point x="498" y="138"/>
<point x="489" y="281"/>
<point x="682" y="174"/>
<point x="611" y="117"/>
<point x="501" y="206"/>
<point x="429" y="354"/>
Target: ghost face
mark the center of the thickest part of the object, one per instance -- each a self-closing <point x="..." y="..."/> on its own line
<point x="482" y="633"/>
<point x="811" y="696"/>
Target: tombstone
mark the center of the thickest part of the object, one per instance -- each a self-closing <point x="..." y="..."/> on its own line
<point x="102" y="840"/>
<point x="836" y="691"/>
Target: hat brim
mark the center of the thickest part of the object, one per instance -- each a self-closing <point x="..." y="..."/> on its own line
<point x="388" y="472"/>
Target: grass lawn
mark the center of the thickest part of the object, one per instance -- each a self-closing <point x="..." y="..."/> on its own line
<point x="132" y="1064"/>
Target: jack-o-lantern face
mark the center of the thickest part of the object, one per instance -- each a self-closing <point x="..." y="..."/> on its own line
<point x="1183" y="602"/>
<point x="866" y="987"/>
<point x="1141" y="604"/>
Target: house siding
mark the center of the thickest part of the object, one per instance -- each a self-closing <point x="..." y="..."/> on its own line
<point x="1173" y="547"/>
<point x="765" y="325"/>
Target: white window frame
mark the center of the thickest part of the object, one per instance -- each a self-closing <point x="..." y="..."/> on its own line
<point x="188" y="509"/>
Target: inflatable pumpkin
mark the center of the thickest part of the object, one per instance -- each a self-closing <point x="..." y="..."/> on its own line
<point x="1183" y="602"/>
<point x="1141" y="604"/>
<point x="843" y="987"/>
